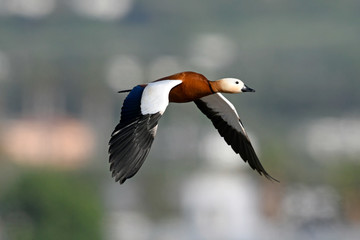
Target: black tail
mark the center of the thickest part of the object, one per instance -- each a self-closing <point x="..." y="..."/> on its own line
<point x="123" y="91"/>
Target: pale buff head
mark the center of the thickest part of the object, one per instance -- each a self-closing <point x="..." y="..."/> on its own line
<point x="232" y="85"/>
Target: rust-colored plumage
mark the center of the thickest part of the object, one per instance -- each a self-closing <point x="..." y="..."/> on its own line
<point x="193" y="86"/>
<point x="132" y="138"/>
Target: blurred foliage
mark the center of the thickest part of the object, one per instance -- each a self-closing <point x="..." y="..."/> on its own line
<point x="51" y="205"/>
<point x="345" y="175"/>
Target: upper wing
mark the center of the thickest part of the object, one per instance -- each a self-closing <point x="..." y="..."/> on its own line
<point x="226" y="120"/>
<point x="132" y="138"/>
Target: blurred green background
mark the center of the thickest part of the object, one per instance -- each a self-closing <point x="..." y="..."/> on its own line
<point x="62" y="62"/>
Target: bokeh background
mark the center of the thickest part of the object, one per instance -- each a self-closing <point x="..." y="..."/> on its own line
<point x="63" y="61"/>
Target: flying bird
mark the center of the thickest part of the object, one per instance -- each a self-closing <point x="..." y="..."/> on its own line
<point x="145" y="104"/>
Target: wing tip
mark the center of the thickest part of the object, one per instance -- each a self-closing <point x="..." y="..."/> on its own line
<point x="268" y="176"/>
<point x="122" y="180"/>
<point x="117" y="175"/>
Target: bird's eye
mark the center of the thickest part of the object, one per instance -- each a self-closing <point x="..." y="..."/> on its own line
<point x="237" y="82"/>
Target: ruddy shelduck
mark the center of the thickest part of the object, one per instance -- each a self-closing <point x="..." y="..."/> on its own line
<point x="131" y="140"/>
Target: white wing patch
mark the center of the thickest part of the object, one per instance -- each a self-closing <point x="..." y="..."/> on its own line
<point x="155" y="97"/>
<point x="229" y="103"/>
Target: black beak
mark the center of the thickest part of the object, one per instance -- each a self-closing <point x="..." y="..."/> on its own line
<point x="247" y="89"/>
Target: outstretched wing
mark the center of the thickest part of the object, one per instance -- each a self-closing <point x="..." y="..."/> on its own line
<point x="226" y="120"/>
<point x="132" y="138"/>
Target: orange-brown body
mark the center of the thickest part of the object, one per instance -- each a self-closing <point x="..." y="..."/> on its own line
<point x="194" y="86"/>
<point x="132" y="138"/>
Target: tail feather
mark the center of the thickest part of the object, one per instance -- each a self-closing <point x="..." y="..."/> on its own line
<point x="124" y="91"/>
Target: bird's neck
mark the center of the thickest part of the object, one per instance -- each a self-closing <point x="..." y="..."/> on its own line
<point x="215" y="86"/>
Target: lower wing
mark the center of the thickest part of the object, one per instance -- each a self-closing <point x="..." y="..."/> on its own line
<point x="226" y="120"/>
